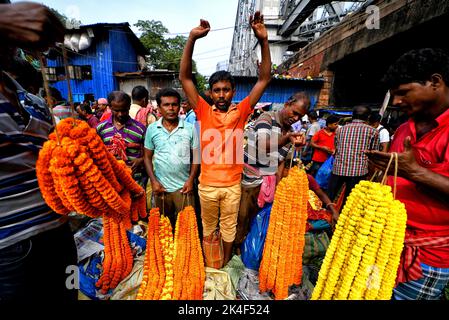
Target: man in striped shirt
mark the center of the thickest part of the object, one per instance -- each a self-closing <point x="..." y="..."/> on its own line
<point x="36" y="245"/>
<point x="123" y="135"/>
<point x="351" y="140"/>
<point x="269" y="143"/>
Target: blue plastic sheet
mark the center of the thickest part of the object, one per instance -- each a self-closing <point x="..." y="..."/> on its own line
<point x="323" y="174"/>
<point x="252" y="247"/>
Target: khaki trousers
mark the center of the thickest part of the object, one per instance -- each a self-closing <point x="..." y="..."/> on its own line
<point x="220" y="204"/>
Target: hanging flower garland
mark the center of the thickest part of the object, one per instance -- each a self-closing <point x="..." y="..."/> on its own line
<point x="75" y="172"/>
<point x="363" y="256"/>
<point x="281" y="264"/>
<point x="173" y="268"/>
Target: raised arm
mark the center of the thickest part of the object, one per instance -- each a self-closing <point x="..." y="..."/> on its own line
<point x="185" y="70"/>
<point x="265" y="67"/>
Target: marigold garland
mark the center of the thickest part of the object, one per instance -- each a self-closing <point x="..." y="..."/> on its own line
<point x="174" y="268"/>
<point x="77" y="173"/>
<point x="281" y="264"/>
<point x="364" y="254"/>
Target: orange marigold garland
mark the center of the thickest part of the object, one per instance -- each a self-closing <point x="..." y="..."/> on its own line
<point x="173" y="268"/>
<point x="77" y="173"/>
<point x="281" y="264"/>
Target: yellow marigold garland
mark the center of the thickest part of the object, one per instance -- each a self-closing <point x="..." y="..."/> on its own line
<point x="363" y="256"/>
<point x="281" y="264"/>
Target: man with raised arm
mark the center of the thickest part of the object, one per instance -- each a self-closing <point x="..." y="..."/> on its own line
<point x="221" y="134"/>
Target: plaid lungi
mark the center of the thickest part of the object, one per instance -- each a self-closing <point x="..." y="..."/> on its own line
<point x="429" y="287"/>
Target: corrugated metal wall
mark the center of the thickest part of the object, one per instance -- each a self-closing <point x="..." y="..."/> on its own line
<point x="110" y="52"/>
<point x="279" y="90"/>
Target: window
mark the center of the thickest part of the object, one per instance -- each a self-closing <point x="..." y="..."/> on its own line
<point x="50" y="72"/>
<point x="80" y="72"/>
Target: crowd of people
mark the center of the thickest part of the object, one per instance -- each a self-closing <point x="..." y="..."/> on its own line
<point x="207" y="159"/>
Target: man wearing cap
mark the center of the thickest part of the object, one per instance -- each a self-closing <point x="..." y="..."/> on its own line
<point x="103" y="112"/>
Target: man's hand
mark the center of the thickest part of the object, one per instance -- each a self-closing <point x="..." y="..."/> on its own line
<point x="157" y="188"/>
<point x="407" y="164"/>
<point x="29" y="25"/>
<point x="201" y="31"/>
<point x="297" y="138"/>
<point x="258" y="26"/>
<point x="136" y="164"/>
<point x="188" y="187"/>
<point x="328" y="150"/>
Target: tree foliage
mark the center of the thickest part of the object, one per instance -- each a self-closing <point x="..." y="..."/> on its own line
<point x="164" y="52"/>
<point x="68" y="23"/>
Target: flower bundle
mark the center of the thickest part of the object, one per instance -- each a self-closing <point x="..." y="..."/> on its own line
<point x="78" y="174"/>
<point x="153" y="279"/>
<point x="364" y="254"/>
<point x="281" y="264"/>
<point x="75" y="172"/>
<point x="173" y="268"/>
<point x="189" y="272"/>
<point x="118" y="261"/>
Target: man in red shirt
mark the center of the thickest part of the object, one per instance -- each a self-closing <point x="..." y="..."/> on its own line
<point x="323" y="144"/>
<point x="419" y="86"/>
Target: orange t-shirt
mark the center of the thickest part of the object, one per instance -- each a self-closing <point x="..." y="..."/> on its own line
<point x="222" y="142"/>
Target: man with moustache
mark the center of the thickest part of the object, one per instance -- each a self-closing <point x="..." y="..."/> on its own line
<point x="418" y="82"/>
<point x="221" y="134"/>
<point x="269" y="143"/>
<point x="169" y="148"/>
<point x="124" y="136"/>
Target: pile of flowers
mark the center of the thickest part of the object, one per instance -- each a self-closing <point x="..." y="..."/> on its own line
<point x="76" y="173"/>
<point x="281" y="264"/>
<point x="364" y="254"/>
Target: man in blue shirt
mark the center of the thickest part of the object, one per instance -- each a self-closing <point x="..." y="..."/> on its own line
<point x="169" y="149"/>
<point x="190" y="114"/>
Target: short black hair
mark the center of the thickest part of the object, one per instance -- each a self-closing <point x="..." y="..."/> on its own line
<point x="86" y="108"/>
<point x="221" y="76"/>
<point x="167" y="92"/>
<point x="332" y="119"/>
<point x="312" y="115"/>
<point x="375" y="117"/>
<point x="417" y="66"/>
<point x="119" y="96"/>
<point x="139" y="93"/>
<point x="361" y="113"/>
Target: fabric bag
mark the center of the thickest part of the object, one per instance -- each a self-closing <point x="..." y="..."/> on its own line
<point x="252" y="247"/>
<point x="316" y="244"/>
<point x="323" y="174"/>
<point x="213" y="250"/>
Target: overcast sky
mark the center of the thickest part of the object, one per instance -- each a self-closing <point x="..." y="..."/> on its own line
<point x="179" y="16"/>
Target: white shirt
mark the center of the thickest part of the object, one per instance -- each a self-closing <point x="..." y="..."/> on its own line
<point x="384" y="135"/>
<point x="133" y="110"/>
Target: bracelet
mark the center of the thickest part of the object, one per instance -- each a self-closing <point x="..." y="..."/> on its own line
<point x="327" y="205"/>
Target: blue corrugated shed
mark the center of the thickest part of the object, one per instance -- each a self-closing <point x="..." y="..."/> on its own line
<point x="279" y="90"/>
<point x="114" y="49"/>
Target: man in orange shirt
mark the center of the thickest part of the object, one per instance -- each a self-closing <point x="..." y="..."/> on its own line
<point x="222" y="135"/>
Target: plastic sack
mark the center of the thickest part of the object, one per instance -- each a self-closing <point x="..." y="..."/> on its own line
<point x="252" y="247"/>
<point x="323" y="174"/>
<point x="218" y="285"/>
<point x="234" y="268"/>
<point x="248" y="286"/>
